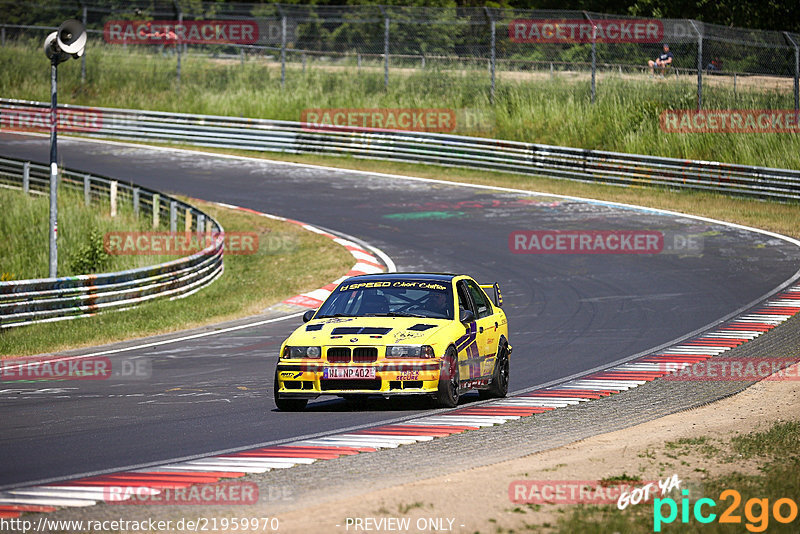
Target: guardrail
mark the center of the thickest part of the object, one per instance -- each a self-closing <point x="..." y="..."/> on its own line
<point x="413" y="147"/>
<point x="52" y="299"/>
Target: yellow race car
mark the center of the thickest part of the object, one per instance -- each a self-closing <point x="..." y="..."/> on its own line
<point x="398" y="334"/>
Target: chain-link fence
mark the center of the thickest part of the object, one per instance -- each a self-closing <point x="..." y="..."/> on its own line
<point x="499" y="44"/>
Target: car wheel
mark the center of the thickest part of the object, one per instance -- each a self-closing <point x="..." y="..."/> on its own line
<point x="447" y="395"/>
<point x="499" y="386"/>
<point x="287" y="405"/>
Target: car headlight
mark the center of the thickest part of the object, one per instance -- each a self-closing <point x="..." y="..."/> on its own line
<point x="409" y="351"/>
<point x="301" y="352"/>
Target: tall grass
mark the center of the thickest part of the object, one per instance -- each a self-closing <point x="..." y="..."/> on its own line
<point x="24" y="238"/>
<point x="528" y="107"/>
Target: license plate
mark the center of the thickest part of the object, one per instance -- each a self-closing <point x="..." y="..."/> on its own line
<point x="348" y="372"/>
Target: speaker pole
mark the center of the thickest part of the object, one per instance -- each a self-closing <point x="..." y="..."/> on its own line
<point x="53" y="168"/>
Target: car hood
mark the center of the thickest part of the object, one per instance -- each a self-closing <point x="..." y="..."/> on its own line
<point x="367" y="331"/>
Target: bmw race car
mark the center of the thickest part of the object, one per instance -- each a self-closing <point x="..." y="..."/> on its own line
<point x="398" y="334"/>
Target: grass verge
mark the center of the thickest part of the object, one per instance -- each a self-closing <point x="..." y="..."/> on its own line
<point x="24" y="249"/>
<point x="289" y="260"/>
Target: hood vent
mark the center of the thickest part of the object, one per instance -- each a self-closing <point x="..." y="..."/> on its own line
<point x="421" y="327"/>
<point x="355" y="330"/>
<point x="312" y="327"/>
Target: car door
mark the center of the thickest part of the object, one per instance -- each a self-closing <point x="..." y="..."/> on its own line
<point x="486" y="327"/>
<point x="472" y="346"/>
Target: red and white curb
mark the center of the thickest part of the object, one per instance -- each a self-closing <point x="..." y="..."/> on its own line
<point x="91" y="490"/>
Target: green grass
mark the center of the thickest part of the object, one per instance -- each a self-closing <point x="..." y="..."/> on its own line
<point x="249" y="284"/>
<point x="24" y="249"/>
<point x="529" y="107"/>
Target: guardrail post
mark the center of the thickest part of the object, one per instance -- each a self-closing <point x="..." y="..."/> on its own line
<point x="796" y="76"/>
<point x="155" y="211"/>
<point x="201" y="223"/>
<point x="173" y="216"/>
<point x="385" y="48"/>
<point x="113" y="195"/>
<point x="492" y="52"/>
<point x="699" y="66"/>
<point x="594" y="53"/>
<point x="26" y="177"/>
<point x="136" y="201"/>
<point x="87" y="189"/>
<point x="187" y="220"/>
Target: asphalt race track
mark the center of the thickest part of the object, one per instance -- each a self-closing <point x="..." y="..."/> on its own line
<point x="568" y="312"/>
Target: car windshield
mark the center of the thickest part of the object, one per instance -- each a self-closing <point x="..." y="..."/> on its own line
<point x="390" y="298"/>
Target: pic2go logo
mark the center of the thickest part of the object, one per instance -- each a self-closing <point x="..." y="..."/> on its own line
<point x="783" y="510"/>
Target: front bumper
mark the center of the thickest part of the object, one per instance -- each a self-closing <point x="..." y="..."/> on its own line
<point x="301" y="379"/>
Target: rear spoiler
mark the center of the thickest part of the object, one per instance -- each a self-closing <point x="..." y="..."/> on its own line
<point x="493" y="290"/>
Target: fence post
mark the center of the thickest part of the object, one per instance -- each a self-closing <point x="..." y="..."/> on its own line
<point x="796" y="75"/>
<point x="155" y="210"/>
<point x="87" y="189"/>
<point x="594" y="51"/>
<point x="3" y="34"/>
<point x="385" y="48"/>
<point x="187" y="220"/>
<point x="492" y="52"/>
<point x="283" y="45"/>
<point x="136" y="201"/>
<point x="112" y="193"/>
<point x="178" y="43"/>
<point x="173" y="216"/>
<point x="699" y="66"/>
<point x="26" y="177"/>
<point x="201" y="223"/>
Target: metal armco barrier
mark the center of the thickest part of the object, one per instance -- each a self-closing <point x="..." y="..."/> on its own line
<point x="413" y="147"/>
<point x="52" y="299"/>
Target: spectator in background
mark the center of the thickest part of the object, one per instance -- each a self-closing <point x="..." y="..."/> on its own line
<point x="714" y="66"/>
<point x="662" y="62"/>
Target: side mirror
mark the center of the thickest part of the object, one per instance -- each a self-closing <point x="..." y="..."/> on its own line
<point x="466" y="316"/>
<point x="307" y="316"/>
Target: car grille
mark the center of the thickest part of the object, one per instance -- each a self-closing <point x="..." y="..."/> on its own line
<point x="365" y="354"/>
<point x="359" y="354"/>
<point x="346" y="385"/>
<point x="339" y="354"/>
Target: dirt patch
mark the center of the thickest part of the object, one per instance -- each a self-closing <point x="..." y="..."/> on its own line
<point x="691" y="444"/>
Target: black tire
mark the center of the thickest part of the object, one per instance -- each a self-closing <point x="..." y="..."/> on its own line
<point x="447" y="395"/>
<point x="499" y="386"/>
<point x="287" y="405"/>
